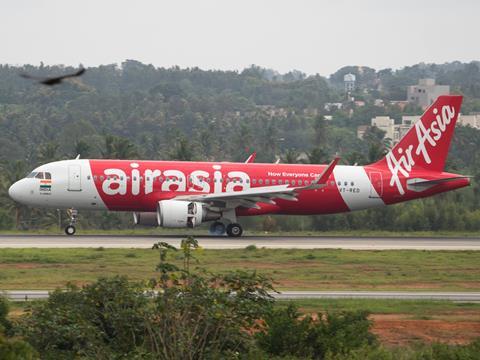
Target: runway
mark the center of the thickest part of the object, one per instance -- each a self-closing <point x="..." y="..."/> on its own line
<point x="272" y="242"/>
<point x="28" y="295"/>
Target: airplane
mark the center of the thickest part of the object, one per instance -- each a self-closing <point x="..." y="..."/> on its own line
<point x="180" y="194"/>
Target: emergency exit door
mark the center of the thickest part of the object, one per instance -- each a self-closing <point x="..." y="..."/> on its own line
<point x="376" y="184"/>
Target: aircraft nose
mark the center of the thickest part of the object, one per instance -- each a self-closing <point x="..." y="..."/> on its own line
<point x="13" y="192"/>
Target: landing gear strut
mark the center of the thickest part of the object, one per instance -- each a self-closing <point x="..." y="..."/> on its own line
<point x="70" y="228"/>
<point x="234" y="230"/>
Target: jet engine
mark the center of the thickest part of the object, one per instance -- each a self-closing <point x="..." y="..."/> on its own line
<point x="145" y="218"/>
<point x="180" y="214"/>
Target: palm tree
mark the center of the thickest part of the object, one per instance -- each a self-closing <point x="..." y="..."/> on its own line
<point x="12" y="172"/>
<point x="291" y="156"/>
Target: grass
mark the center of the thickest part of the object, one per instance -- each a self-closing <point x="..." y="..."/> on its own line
<point x="291" y="269"/>
<point x="418" y="309"/>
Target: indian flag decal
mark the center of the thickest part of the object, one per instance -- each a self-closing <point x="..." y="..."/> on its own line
<point x="46" y="185"/>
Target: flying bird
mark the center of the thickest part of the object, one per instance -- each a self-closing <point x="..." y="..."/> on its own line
<point x="50" y="81"/>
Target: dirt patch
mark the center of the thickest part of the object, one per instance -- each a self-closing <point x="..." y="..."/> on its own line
<point x="398" y="330"/>
<point x="21" y="266"/>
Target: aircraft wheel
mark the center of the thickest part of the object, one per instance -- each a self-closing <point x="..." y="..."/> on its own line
<point x="70" y="230"/>
<point x="217" y="228"/>
<point x="234" y="230"/>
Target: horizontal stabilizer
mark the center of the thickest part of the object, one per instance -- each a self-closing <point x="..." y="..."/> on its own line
<point x="418" y="184"/>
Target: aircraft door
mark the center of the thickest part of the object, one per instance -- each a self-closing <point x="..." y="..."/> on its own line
<point x="74" y="178"/>
<point x="376" y="185"/>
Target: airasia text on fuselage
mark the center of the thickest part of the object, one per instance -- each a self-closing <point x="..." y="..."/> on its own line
<point x="119" y="182"/>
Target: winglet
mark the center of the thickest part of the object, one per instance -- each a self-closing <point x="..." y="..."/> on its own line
<point x="251" y="158"/>
<point x="322" y="179"/>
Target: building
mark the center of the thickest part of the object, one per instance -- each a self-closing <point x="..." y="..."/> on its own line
<point x="384" y="123"/>
<point x="396" y="131"/>
<point x="333" y="106"/>
<point x="469" y="120"/>
<point x="349" y="81"/>
<point x="361" y="130"/>
<point x="392" y="131"/>
<point x="425" y="92"/>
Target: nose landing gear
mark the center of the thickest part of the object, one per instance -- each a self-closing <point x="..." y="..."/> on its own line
<point x="70" y="228"/>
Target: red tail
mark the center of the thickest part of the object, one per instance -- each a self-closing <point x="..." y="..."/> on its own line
<point x="425" y="146"/>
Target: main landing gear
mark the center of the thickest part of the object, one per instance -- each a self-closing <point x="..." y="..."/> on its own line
<point x="70" y="228"/>
<point x="233" y="230"/>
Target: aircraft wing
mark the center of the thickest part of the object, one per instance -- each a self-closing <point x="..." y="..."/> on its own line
<point x="265" y="194"/>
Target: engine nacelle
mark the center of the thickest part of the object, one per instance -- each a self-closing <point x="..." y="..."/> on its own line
<point x="180" y="214"/>
<point x="145" y="218"/>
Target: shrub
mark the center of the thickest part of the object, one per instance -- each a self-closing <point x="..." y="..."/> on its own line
<point x="287" y="333"/>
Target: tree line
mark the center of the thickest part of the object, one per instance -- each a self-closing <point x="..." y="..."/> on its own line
<point x="138" y="111"/>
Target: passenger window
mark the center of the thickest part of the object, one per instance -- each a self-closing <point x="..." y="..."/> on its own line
<point x="345" y="183"/>
<point x="293" y="182"/>
<point x="352" y="183"/>
<point x="48" y="175"/>
<point x="280" y="182"/>
<point x="88" y="177"/>
<point x="95" y="177"/>
<point x="260" y="181"/>
<point x="254" y="181"/>
<point x="274" y="182"/>
<point x="267" y="182"/>
<point x="287" y="182"/>
<point x="299" y="182"/>
<point x="101" y="178"/>
<point x="339" y="183"/>
<point x="39" y="175"/>
<point x="247" y="181"/>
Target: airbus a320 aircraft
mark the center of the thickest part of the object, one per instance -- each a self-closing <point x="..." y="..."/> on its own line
<point x="179" y="194"/>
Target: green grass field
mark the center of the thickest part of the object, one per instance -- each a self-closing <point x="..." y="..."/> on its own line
<point x="417" y="309"/>
<point x="290" y="268"/>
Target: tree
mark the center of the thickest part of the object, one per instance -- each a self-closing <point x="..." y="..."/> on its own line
<point x="317" y="156"/>
<point x="183" y="150"/>
<point x="119" y="148"/>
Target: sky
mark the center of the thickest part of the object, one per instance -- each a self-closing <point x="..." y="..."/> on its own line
<point x="313" y="36"/>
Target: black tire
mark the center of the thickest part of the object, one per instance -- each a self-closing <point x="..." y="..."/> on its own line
<point x="234" y="230"/>
<point x="70" y="230"/>
<point x="217" y="228"/>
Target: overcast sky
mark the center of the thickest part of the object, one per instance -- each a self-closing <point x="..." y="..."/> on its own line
<point x="316" y="36"/>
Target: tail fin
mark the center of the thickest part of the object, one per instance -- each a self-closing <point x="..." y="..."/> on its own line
<point x="425" y="146"/>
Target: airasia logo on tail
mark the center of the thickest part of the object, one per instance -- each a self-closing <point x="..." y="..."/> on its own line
<point x="427" y="138"/>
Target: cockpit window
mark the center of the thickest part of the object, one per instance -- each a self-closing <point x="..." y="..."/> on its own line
<point x="39" y="175"/>
<point x="48" y="175"/>
<point x="31" y="175"/>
